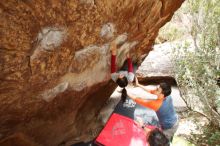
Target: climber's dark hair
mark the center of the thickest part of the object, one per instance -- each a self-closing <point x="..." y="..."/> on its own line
<point x="166" y="89"/>
<point x="123" y="95"/>
<point x="122" y="82"/>
<point x="157" y="138"/>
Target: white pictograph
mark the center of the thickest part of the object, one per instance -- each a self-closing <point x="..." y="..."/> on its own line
<point x="118" y="129"/>
<point x="129" y="103"/>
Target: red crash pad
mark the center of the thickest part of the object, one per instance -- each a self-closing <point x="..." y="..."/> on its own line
<point x="121" y="131"/>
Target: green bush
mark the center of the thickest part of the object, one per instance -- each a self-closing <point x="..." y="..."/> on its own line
<point x="214" y="139"/>
<point x="197" y="63"/>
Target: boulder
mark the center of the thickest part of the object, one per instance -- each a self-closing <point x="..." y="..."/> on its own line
<point x="55" y="60"/>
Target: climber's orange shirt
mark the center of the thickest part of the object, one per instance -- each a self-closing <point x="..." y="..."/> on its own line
<point x="152" y="104"/>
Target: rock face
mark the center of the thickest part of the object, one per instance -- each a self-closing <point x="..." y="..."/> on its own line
<point x="158" y="65"/>
<point x="55" y="58"/>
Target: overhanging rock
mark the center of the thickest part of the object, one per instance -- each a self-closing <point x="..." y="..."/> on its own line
<point x="54" y="57"/>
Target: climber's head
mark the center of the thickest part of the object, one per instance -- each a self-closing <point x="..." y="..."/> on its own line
<point x="122" y="81"/>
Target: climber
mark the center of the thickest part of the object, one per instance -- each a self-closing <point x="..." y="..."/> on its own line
<point x="122" y="78"/>
<point x="163" y="105"/>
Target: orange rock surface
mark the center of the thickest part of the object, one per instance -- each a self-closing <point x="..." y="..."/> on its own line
<point x="55" y="60"/>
